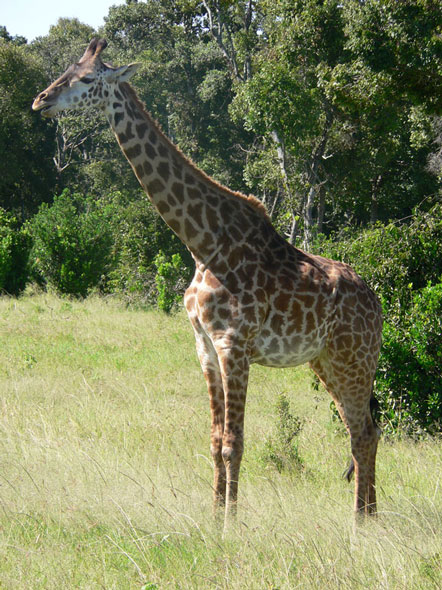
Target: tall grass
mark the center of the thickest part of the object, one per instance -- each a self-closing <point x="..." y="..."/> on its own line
<point x="105" y="474"/>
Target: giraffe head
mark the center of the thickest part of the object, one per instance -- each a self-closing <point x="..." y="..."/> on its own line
<point x="86" y="84"/>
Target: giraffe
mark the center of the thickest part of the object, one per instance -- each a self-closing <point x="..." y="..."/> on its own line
<point x="254" y="298"/>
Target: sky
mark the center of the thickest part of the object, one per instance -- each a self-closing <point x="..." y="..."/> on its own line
<point x="32" y="18"/>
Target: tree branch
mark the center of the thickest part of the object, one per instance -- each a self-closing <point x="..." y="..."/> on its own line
<point x="217" y="30"/>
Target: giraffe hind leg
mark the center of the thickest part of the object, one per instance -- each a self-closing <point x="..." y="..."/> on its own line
<point x="353" y="401"/>
<point x="364" y="449"/>
<point x="374" y="405"/>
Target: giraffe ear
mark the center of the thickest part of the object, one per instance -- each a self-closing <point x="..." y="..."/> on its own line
<point x="123" y="73"/>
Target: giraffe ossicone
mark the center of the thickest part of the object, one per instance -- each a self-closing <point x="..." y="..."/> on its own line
<point x="254" y="297"/>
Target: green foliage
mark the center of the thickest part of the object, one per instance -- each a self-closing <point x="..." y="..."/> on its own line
<point x="395" y="259"/>
<point x="354" y="138"/>
<point x="361" y="77"/>
<point x="73" y="243"/>
<point x="26" y="142"/>
<point x="409" y="382"/>
<point x="402" y="39"/>
<point x="15" y="245"/>
<point x="281" y="450"/>
<point x="183" y="80"/>
<point x="169" y="281"/>
<point x="7" y="38"/>
<point x="327" y="109"/>
<point x="83" y="144"/>
<point x="284" y="104"/>
<point x="140" y="235"/>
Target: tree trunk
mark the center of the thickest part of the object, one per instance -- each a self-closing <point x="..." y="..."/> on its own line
<point x="273" y="205"/>
<point x="308" y="218"/>
<point x="220" y="27"/>
<point x="280" y="151"/>
<point x="374" y="205"/>
<point x="313" y="181"/>
<point x="321" y="211"/>
<point x="294" y="230"/>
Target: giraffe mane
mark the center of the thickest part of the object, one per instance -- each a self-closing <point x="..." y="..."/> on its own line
<point x="251" y="200"/>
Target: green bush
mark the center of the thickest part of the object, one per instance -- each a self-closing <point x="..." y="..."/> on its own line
<point x="396" y="260"/>
<point x="403" y="264"/>
<point x="141" y="235"/>
<point x="281" y="449"/>
<point x="409" y="381"/>
<point x="73" y="243"/>
<point x="15" y="246"/>
<point x="169" y="281"/>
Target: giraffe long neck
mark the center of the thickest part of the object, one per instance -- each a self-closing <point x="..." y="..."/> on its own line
<point x="202" y="213"/>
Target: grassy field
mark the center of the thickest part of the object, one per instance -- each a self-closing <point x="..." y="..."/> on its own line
<point x="105" y="473"/>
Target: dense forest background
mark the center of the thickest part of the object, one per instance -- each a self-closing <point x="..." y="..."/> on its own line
<point x="328" y="111"/>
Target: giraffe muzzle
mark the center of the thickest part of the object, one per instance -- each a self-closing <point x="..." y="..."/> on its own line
<point x="41" y="104"/>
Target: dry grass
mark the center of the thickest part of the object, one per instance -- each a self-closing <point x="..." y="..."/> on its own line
<point x="105" y="475"/>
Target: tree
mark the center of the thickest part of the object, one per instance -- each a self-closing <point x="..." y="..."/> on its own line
<point x="349" y="143"/>
<point x="26" y="142"/>
<point x="80" y="140"/>
<point x="388" y="91"/>
<point x="402" y="40"/>
<point x="380" y="149"/>
<point x="184" y="80"/>
<point x="234" y="27"/>
<point x="284" y="103"/>
<point x="7" y="38"/>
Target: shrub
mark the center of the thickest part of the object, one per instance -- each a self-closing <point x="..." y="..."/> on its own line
<point x="15" y="245"/>
<point x="396" y="260"/>
<point x="141" y="235"/>
<point x="73" y="243"/>
<point x="409" y="380"/>
<point x="169" y="281"/>
<point x="281" y="450"/>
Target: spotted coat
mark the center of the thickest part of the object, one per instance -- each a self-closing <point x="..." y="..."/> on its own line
<point x="254" y="298"/>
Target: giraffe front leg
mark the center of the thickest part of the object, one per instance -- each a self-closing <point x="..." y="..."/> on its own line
<point x="234" y="371"/>
<point x="212" y="374"/>
<point x="216" y="395"/>
<point x="233" y="447"/>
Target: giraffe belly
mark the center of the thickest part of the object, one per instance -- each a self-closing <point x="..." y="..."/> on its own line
<point x="275" y="349"/>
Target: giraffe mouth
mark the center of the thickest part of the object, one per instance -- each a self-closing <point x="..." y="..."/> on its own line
<point x="46" y="111"/>
<point x="43" y="107"/>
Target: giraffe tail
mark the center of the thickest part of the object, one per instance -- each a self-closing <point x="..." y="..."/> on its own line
<point x="374" y="407"/>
